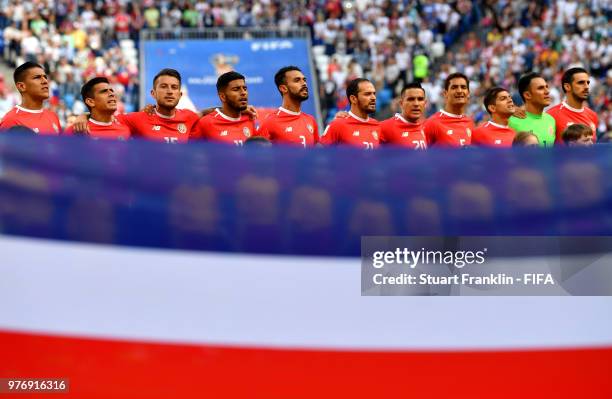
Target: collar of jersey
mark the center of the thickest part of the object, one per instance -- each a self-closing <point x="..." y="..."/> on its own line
<point x="404" y="119"/>
<point x="165" y="116"/>
<point x="450" y="115"/>
<point x="229" y="118"/>
<point x="566" y="105"/>
<point x="285" y="110"/>
<point x="32" y="111"/>
<point x="498" y="125"/>
<point x="95" y="122"/>
<point x="351" y="114"/>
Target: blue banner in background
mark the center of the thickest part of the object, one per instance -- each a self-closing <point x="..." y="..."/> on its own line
<point x="200" y="63"/>
<point x="290" y="201"/>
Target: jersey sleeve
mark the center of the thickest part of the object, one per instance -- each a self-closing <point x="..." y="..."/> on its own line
<point x="384" y="131"/>
<point x="264" y="129"/>
<point x="315" y="126"/>
<point x="431" y="131"/>
<point x="201" y="129"/>
<point x="57" y="121"/>
<point x="8" y="120"/>
<point x="129" y="120"/>
<point x="330" y="134"/>
<point x="192" y="120"/>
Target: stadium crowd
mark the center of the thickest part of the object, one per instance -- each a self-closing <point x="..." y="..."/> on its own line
<point x="390" y="43"/>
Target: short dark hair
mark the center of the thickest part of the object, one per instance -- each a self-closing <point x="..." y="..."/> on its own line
<point x="279" y="77"/>
<point x="20" y="71"/>
<point x="575" y="132"/>
<point x="525" y="81"/>
<point x="412" y="85"/>
<point x="352" y="89"/>
<point x="226" y="78"/>
<point x="167" y="72"/>
<point x="455" y="76"/>
<point x="568" y="76"/>
<point x="87" y="91"/>
<point x="491" y="96"/>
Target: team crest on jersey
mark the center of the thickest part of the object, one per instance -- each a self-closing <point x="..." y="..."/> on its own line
<point x="182" y="128"/>
<point x="310" y="128"/>
<point x="55" y="127"/>
<point x="375" y="135"/>
<point x="246" y="131"/>
<point x="469" y="132"/>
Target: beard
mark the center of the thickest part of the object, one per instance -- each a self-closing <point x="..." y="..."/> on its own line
<point x="298" y="96"/>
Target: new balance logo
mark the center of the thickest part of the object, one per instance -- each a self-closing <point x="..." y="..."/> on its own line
<point x="289" y="129"/>
<point x="157" y="128"/>
<point x="223" y="133"/>
<point x="356" y="133"/>
<point x="405" y="134"/>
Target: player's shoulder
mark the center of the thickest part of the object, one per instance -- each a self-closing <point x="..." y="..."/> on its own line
<point x="555" y="108"/>
<point x="548" y="117"/>
<point x="11" y="113"/>
<point x="590" y="112"/>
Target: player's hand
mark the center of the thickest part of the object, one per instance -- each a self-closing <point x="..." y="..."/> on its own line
<point x="80" y="125"/>
<point x="519" y="112"/>
<point x="251" y="112"/>
<point x="341" y="114"/>
<point x="149" y="109"/>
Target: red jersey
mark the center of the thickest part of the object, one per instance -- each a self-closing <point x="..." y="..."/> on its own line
<point x="492" y="134"/>
<point x="288" y="127"/>
<point x="158" y="127"/>
<point x="398" y="131"/>
<point x="42" y="121"/>
<point x="219" y="127"/>
<point x="444" y="129"/>
<point x="565" y="116"/>
<point x="105" y="130"/>
<point x="352" y="131"/>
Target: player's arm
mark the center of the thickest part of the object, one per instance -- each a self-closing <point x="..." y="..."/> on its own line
<point x="317" y="139"/>
<point x="200" y="129"/>
<point x="430" y="128"/>
<point x="330" y="135"/>
<point x="264" y="129"/>
<point x="8" y="121"/>
<point x="80" y="125"/>
<point x="519" y="112"/>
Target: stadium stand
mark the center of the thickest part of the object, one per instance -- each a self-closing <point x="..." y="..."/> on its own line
<point x="390" y="43"/>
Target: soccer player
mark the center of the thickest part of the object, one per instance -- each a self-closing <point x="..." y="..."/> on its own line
<point x="358" y="129"/>
<point x="496" y="133"/>
<point x="167" y="124"/>
<point x="289" y="125"/>
<point x="229" y="124"/>
<point x="33" y="85"/>
<point x="99" y="97"/>
<point x="577" y="135"/>
<point x="450" y="127"/>
<point x="575" y="84"/>
<point x="406" y="129"/>
<point x="534" y="91"/>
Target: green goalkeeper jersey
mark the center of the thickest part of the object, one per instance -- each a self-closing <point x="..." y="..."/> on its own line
<point x="543" y="126"/>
